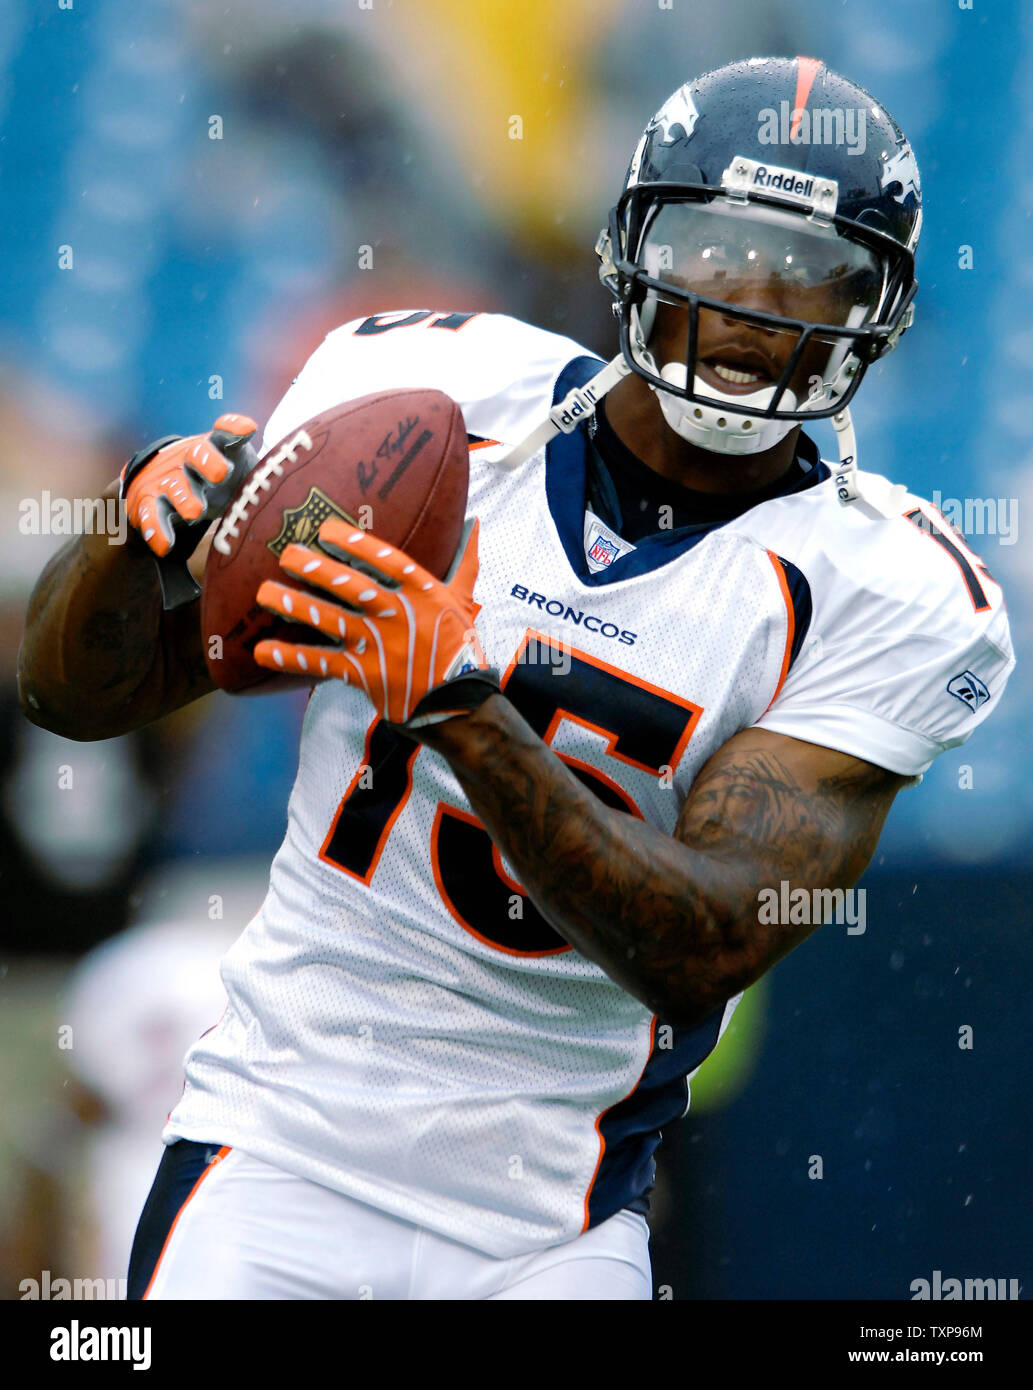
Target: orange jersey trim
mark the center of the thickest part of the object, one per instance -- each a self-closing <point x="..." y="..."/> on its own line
<point x="189" y="1197"/>
<point x="602" y="1115"/>
<point x="790" y="623"/>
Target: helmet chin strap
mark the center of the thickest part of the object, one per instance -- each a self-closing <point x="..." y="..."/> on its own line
<point x="567" y="414"/>
<point x="579" y="404"/>
<point x="847" y="480"/>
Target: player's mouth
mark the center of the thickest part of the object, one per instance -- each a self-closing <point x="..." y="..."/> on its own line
<point x="738" y="373"/>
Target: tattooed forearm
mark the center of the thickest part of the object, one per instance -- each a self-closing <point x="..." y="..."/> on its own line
<point x="672" y="919"/>
<point x="592" y="872"/>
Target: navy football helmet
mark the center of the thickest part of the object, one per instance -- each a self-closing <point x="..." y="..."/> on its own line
<point x="761" y="254"/>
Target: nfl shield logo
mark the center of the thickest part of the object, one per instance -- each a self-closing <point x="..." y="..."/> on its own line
<point x="602" y="551"/>
<point x="300" y="525"/>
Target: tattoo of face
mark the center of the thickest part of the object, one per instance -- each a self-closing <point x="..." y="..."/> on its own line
<point x="758" y="801"/>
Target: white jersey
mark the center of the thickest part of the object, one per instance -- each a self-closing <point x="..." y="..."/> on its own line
<point x="403" y="1025"/>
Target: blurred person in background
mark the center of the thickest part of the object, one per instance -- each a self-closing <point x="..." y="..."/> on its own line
<point x="126" y="1015"/>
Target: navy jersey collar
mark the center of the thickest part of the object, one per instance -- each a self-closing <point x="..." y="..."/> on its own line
<point x="566" y="486"/>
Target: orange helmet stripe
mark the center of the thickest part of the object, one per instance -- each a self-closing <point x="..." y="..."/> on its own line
<point x="807" y="71"/>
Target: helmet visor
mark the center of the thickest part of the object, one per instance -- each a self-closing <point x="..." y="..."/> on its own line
<point x="750" y="299"/>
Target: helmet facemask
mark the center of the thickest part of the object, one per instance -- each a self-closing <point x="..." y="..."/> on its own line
<point x="771" y="314"/>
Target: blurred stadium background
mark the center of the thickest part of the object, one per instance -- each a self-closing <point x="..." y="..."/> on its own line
<point x="217" y="171"/>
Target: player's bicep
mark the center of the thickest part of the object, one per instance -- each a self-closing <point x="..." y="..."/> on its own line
<point x="769" y="809"/>
<point x="782" y="805"/>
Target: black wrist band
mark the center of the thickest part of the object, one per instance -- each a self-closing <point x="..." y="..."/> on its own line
<point x="464" y="693"/>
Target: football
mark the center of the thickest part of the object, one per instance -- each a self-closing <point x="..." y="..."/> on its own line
<point x="395" y="463"/>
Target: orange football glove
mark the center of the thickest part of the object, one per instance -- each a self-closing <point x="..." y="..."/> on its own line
<point x="406" y="638"/>
<point x="190" y="478"/>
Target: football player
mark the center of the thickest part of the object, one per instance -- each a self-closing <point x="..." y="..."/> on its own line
<point x="679" y="661"/>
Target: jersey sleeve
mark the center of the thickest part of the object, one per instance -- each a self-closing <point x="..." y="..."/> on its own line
<point x="898" y="680"/>
<point x="500" y="370"/>
<point x="316" y="388"/>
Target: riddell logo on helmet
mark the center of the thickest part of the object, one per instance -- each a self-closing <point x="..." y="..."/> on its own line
<point x="787" y="180"/>
<point x="825" y="125"/>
